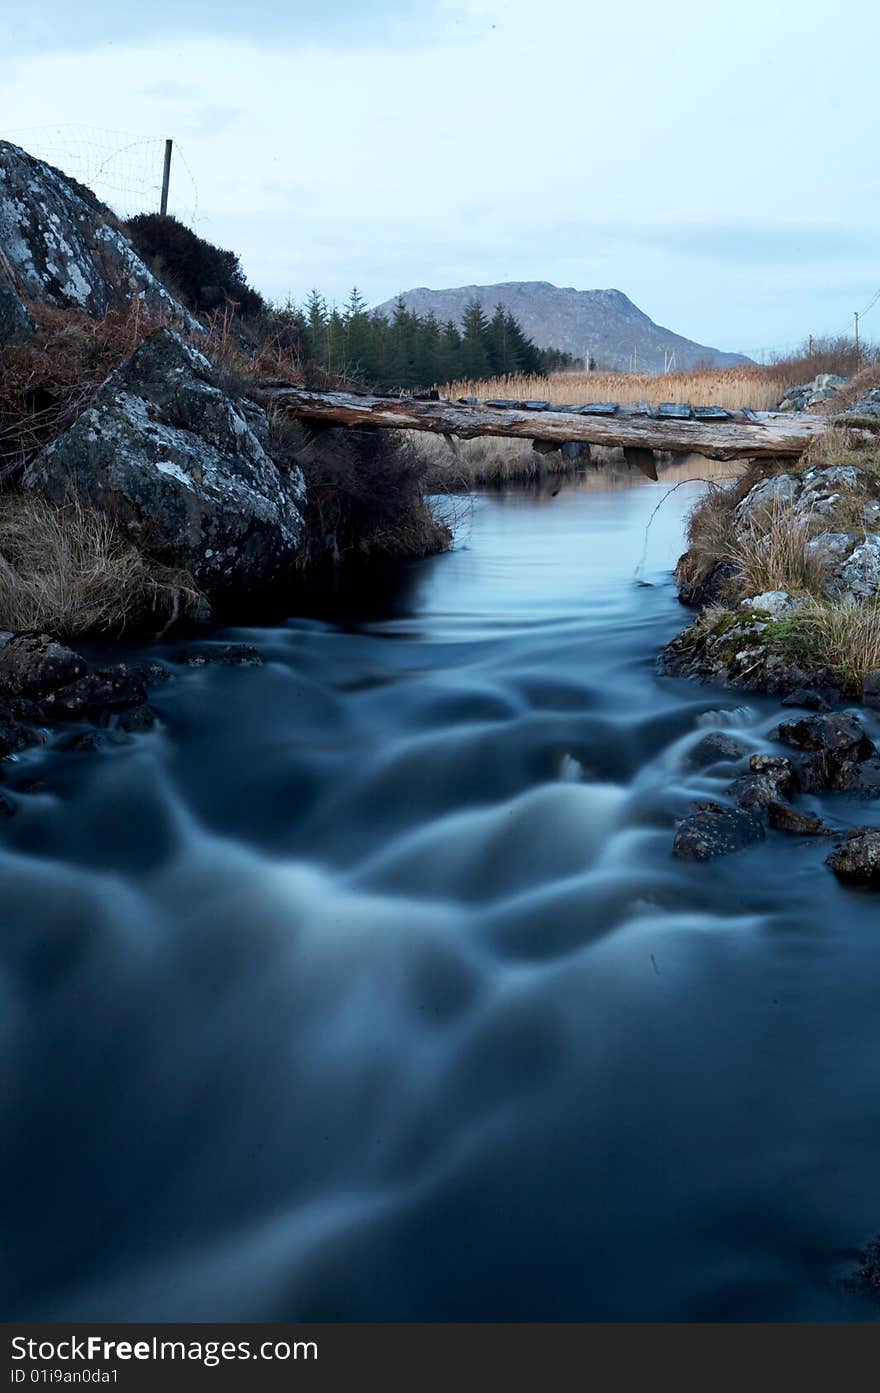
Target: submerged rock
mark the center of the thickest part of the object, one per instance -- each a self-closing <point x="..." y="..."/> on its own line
<point x="227" y="654"/>
<point x="181" y="464"/>
<point x="857" y="858"/>
<point x="712" y="830"/>
<point x="36" y="664"/>
<point x="715" y="747"/>
<point x="807" y="697"/>
<point x="785" y="818"/>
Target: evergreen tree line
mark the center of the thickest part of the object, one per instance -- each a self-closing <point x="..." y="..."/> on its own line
<point x="411" y="350"/>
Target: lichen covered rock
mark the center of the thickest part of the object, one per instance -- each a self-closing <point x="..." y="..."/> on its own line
<point x="63" y="247"/>
<point x="181" y="465"/>
<point x="857" y="858"/>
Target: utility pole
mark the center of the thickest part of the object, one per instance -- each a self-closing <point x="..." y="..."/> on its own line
<point x="810" y="349"/>
<point x="857" y="336"/>
<point x="166" y="178"/>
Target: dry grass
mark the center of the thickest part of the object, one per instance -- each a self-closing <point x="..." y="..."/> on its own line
<point x="47" y="379"/>
<point x="769" y="551"/>
<point x="737" y="387"/>
<point x="846" y="635"/>
<point x="67" y="571"/>
<point x="760" y="388"/>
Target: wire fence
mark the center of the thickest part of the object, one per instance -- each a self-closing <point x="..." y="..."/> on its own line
<point x="124" y="169"/>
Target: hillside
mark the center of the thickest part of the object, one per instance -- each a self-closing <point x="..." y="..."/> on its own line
<point x="604" y="323"/>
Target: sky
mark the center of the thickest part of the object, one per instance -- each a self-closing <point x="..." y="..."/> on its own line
<point x="716" y="163"/>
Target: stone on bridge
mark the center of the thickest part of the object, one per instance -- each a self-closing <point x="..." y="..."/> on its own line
<point x="674" y="411"/>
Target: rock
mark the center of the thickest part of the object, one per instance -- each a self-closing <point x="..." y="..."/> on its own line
<point x="837" y="753"/>
<point x="776" y="603"/>
<point x="105" y="689"/>
<point x="698" y="589"/>
<point x="14" y="318"/>
<point x="830" y="549"/>
<point x="137" y="720"/>
<point x="64" y="247"/>
<point x="767" y="493"/>
<point x="712" y="830"/>
<point x="836" y="735"/>
<point x="755" y="791"/>
<point x="866" y="409"/>
<point x="84" y="742"/>
<point x="777" y="768"/>
<point x="857" y="858"/>
<point x="17" y="727"/>
<point x="715" y="747"/>
<point x="859" y="576"/>
<point x="871" y="688"/>
<point x="228" y="654"/>
<point x="787" y="819"/>
<point x="35" y="664"/>
<point x="811" y="394"/>
<point x="807" y="697"/>
<point x="181" y="464"/>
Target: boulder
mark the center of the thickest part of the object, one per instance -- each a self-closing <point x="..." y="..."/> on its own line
<point x="836" y="753"/>
<point x="777" y="768"/>
<point x="835" y="735"/>
<point x="34" y="665"/>
<point x="857" y="858"/>
<point x="712" y="830"/>
<point x="830" y="549"/>
<point x="807" y="697"/>
<point x="715" y="747"/>
<point x="777" y="603"/>
<point x="105" y="689"/>
<point x="755" y="791"/>
<point x="64" y="248"/>
<point x="767" y="493"/>
<point x="858" y="578"/>
<point x="787" y="819"/>
<point x="181" y="464"/>
<point x="866" y="409"/>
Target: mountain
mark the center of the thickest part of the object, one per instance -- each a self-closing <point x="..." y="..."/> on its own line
<point x="604" y="323"/>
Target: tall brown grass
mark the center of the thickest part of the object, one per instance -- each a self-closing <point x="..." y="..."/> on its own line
<point x="755" y="386"/>
<point x="736" y="388"/>
<point x="67" y="571"/>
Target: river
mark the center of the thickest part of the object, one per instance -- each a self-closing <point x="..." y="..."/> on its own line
<point x="367" y="988"/>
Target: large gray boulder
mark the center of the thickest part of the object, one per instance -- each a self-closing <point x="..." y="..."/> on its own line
<point x="62" y="246"/>
<point x="182" y="466"/>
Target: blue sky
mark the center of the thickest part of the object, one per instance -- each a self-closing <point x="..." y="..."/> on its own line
<point x="716" y="164"/>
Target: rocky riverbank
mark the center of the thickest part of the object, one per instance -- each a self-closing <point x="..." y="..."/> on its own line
<point x="783" y="566"/>
<point x="142" y="482"/>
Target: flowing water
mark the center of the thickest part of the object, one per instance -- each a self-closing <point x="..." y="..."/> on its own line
<point x="367" y="988"/>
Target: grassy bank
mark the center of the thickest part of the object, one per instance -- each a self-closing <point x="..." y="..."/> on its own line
<point x="764" y="561"/>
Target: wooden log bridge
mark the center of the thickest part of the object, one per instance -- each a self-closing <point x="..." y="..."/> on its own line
<point x="675" y="426"/>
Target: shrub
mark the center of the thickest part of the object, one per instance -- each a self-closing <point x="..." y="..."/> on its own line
<point x="67" y="571"/>
<point x="364" y="493"/>
<point x="204" y="276"/>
